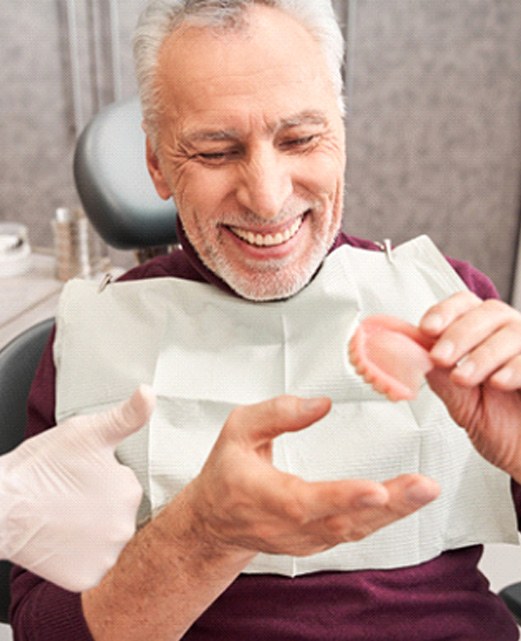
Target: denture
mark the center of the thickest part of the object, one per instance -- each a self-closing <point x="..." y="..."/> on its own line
<point x="391" y="355"/>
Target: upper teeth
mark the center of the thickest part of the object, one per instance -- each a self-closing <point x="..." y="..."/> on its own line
<point x="267" y="240"/>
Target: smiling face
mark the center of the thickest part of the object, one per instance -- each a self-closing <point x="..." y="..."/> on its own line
<point x="251" y="147"/>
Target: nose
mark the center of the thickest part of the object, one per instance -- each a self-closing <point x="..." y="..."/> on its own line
<point x="265" y="183"/>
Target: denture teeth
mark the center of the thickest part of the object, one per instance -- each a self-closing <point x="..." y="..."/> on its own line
<point x="267" y="240"/>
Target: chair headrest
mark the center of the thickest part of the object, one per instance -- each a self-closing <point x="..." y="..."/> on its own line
<point x="113" y="183"/>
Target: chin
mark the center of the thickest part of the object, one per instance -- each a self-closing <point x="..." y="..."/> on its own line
<point x="275" y="279"/>
<point x="266" y="293"/>
<point x="271" y="285"/>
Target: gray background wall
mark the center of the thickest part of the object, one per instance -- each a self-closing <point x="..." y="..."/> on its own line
<point x="434" y="131"/>
<point x="435" y="126"/>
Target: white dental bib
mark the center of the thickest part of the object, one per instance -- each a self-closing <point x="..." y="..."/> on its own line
<point x="204" y="352"/>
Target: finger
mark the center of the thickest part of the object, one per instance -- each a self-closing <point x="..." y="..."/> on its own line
<point x="441" y="315"/>
<point x="114" y="425"/>
<point x="440" y="382"/>
<point x="265" y="421"/>
<point x="508" y="377"/>
<point x="401" y="495"/>
<point x="489" y="357"/>
<point x="405" y="495"/>
<point x="469" y="330"/>
<point x="408" y="492"/>
<point x="312" y="501"/>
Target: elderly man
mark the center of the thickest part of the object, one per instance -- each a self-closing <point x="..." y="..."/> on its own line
<point x="242" y="109"/>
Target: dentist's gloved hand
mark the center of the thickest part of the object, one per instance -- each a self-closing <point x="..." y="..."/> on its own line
<point x="67" y="507"/>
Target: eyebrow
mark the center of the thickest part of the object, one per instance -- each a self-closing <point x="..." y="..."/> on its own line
<point x="202" y="135"/>
<point x="296" y="120"/>
<point x="302" y="118"/>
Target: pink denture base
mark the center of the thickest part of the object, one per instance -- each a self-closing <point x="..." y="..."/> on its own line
<point x="391" y="355"/>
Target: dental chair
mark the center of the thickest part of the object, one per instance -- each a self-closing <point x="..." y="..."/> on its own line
<point x="18" y="362"/>
<point x="114" y="186"/>
<point x="511" y="595"/>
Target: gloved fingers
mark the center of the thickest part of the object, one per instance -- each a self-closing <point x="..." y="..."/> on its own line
<point x="113" y="426"/>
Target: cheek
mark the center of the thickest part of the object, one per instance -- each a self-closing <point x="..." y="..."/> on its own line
<point x="198" y="191"/>
<point x="325" y="175"/>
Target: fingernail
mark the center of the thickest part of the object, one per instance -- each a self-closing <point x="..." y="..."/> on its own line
<point x="312" y="404"/>
<point x="443" y="350"/>
<point x="371" y="500"/>
<point x="466" y="368"/>
<point x="433" y="323"/>
<point x="503" y="376"/>
<point x="418" y="493"/>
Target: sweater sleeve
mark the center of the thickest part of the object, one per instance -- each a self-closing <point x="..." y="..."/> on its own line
<point x="475" y="280"/>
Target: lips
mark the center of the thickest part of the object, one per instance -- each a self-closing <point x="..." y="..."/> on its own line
<point x="273" y="239"/>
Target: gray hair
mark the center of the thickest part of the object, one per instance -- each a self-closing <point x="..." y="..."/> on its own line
<point x="161" y="17"/>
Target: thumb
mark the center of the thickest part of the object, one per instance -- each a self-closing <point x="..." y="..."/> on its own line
<point x="459" y="401"/>
<point x="114" y="425"/>
<point x="264" y="421"/>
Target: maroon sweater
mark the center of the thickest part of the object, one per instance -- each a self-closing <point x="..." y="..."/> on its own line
<point x="446" y="599"/>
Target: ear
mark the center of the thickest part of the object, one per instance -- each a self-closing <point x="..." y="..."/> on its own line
<point x="156" y="173"/>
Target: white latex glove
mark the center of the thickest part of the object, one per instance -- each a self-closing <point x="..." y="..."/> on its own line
<point x="67" y="506"/>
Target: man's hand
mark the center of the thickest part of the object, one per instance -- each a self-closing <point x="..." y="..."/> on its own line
<point x="237" y="506"/>
<point x="68" y="507"/>
<point x="478" y="374"/>
<point x="241" y="501"/>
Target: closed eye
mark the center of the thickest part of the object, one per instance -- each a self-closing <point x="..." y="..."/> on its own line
<point x="296" y="143"/>
<point x="217" y="157"/>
